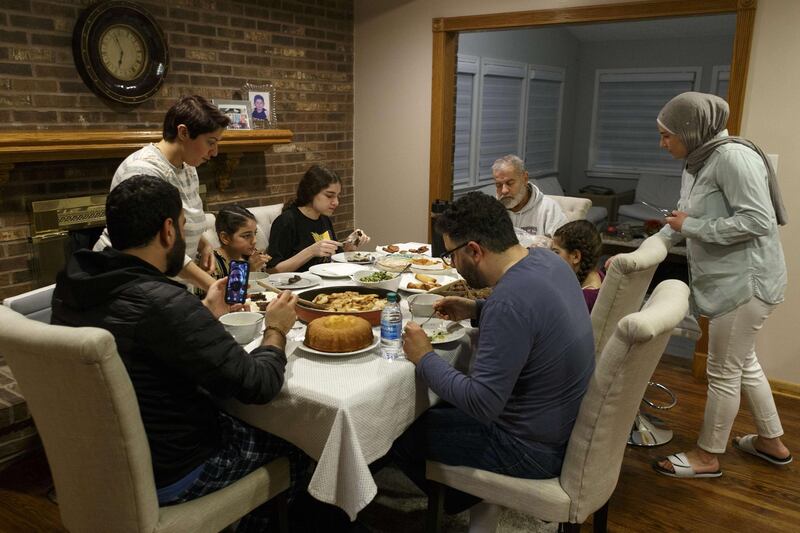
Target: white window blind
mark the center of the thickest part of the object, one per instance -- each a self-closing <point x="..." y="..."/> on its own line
<point x="465" y="97"/>
<point x="720" y="79"/>
<point x="625" y="138"/>
<point x="543" y="127"/>
<point x="501" y="114"/>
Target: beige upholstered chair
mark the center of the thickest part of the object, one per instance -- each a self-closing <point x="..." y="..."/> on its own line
<point x="574" y="208"/>
<point x="265" y="216"/>
<point x="624" y="287"/>
<point x="597" y="444"/>
<point x="86" y="410"/>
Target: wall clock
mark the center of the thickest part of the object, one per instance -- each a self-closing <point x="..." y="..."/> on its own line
<point x="120" y="51"/>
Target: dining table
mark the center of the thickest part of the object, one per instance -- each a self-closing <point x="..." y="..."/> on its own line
<point x="345" y="412"/>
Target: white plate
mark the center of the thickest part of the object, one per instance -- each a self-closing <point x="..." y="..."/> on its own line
<point x="306" y="280"/>
<point x="409" y="278"/>
<point x="375" y="343"/>
<point x="437" y="265"/>
<point x="345" y="257"/>
<point x="454" y="331"/>
<point x="335" y="270"/>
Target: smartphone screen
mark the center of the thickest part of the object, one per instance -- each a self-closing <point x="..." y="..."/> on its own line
<point x="236" y="288"/>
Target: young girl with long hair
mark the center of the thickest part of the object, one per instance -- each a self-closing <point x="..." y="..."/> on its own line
<point x="578" y="243"/>
<point x="236" y="228"/>
<point x="303" y="236"/>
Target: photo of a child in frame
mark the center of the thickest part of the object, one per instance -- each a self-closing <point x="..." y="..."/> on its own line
<point x="260" y="109"/>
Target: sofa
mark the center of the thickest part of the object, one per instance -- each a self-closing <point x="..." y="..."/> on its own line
<point x="660" y="191"/>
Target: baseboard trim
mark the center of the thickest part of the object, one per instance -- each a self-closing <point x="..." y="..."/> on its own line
<point x="785" y="388"/>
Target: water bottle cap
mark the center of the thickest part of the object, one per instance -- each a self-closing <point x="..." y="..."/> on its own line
<point x="391" y="297"/>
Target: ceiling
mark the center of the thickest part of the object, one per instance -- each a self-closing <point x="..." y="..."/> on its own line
<point x="673" y="28"/>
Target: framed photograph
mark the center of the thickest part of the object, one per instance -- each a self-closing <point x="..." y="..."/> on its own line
<point x="261" y="97"/>
<point x="238" y="111"/>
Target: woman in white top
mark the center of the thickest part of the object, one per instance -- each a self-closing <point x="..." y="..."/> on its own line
<point x="192" y="130"/>
<point x="729" y="213"/>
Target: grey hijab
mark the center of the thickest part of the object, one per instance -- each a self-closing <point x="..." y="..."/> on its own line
<point x="698" y="118"/>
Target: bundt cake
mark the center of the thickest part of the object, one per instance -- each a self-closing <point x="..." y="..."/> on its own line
<point x="338" y="333"/>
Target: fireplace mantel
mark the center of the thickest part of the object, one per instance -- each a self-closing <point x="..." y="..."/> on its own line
<point x="64" y="145"/>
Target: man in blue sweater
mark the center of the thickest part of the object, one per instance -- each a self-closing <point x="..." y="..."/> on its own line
<point x="513" y="413"/>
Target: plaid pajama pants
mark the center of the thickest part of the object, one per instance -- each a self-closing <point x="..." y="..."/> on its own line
<point x="245" y="448"/>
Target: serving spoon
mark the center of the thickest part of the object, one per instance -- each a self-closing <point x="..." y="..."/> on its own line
<point x="303" y="301"/>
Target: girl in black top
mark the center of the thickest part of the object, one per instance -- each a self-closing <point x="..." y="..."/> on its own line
<point x="303" y="236"/>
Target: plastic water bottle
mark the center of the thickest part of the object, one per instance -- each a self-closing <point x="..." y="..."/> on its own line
<point x="391" y="327"/>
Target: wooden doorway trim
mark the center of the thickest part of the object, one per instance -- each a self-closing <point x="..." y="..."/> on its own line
<point x="445" y="43"/>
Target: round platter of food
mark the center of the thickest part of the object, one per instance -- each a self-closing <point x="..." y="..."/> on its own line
<point x="366" y="302"/>
<point x="419" y="283"/>
<point x="359" y="258"/>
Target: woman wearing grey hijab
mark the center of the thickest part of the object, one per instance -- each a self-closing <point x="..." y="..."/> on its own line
<point x="729" y="211"/>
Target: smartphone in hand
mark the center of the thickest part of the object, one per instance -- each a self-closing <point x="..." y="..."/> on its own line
<point x="236" y="288"/>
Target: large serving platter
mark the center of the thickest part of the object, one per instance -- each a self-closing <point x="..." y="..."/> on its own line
<point x="308" y="349"/>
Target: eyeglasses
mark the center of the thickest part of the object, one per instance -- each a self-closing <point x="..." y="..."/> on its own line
<point x="447" y="256"/>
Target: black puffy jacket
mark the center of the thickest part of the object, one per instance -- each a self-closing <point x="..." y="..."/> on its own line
<point x="177" y="354"/>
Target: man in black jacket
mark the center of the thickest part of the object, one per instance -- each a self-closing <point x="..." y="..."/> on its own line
<point x="177" y="353"/>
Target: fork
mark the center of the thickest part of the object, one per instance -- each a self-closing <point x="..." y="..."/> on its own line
<point x="428" y="319"/>
<point x="663" y="211"/>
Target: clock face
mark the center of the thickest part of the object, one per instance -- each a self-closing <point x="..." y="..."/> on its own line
<point x="122" y="52"/>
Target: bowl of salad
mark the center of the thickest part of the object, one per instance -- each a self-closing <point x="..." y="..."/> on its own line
<point x="378" y="279"/>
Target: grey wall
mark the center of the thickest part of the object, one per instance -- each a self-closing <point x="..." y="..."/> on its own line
<point x="553" y="47"/>
<point x="703" y="52"/>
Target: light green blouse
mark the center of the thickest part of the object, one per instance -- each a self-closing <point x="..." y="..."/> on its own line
<point x="732" y="243"/>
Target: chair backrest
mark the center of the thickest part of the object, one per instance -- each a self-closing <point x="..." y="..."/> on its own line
<point x="597" y="444"/>
<point x="574" y="208"/>
<point x="86" y="411"/>
<point x="265" y="216"/>
<point x="624" y="287"/>
<point x="33" y="304"/>
<point x="549" y="185"/>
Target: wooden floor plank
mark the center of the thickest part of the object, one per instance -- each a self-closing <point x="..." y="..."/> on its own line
<point x="752" y="496"/>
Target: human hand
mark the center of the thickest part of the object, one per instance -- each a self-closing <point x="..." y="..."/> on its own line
<point x="206" y="253"/>
<point x="676" y="220"/>
<point x="455" y="308"/>
<point x="258" y="260"/>
<point x="415" y="342"/>
<point x="281" y="313"/>
<point x="215" y="299"/>
<point x="323" y="248"/>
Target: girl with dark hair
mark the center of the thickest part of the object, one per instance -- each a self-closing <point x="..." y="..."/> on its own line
<point x="303" y="236"/>
<point x="191" y="133"/>
<point x="578" y="243"/>
<point x="236" y="228"/>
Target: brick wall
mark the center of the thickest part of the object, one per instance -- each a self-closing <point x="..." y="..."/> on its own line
<point x="304" y="47"/>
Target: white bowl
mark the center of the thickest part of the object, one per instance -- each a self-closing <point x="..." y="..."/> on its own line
<point x="389" y="284"/>
<point x="252" y="286"/>
<point x="243" y="326"/>
<point x="421" y="305"/>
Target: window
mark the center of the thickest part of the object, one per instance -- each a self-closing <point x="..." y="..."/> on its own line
<point x="625" y="140"/>
<point x="465" y="91"/>
<point x="720" y="78"/>
<point x="543" y="131"/>
<point x="504" y="108"/>
<point x="502" y="92"/>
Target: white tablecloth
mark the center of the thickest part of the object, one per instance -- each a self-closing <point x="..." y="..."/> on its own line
<point x="345" y="412"/>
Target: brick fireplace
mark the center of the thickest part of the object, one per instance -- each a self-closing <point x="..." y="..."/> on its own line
<point x="305" y="48"/>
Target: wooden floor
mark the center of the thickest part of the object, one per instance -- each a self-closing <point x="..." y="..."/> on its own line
<point x="752" y="496"/>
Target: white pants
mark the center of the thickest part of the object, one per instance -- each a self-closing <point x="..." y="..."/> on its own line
<point x="732" y="367"/>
